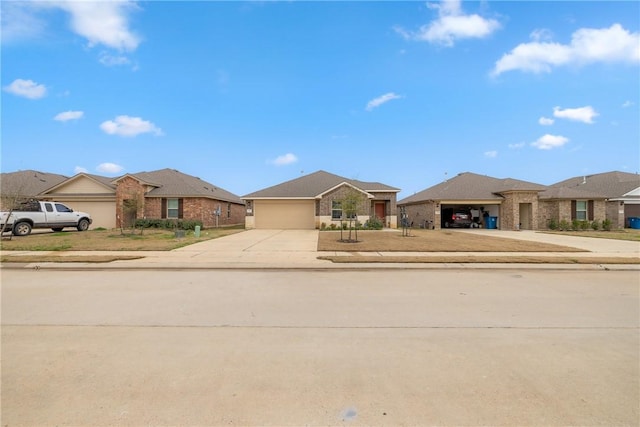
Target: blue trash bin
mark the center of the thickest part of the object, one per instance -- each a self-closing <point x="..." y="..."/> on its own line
<point x="492" y="222"/>
<point x="634" y="222"/>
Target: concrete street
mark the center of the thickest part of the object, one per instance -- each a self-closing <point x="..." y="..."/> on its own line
<point x="320" y="347"/>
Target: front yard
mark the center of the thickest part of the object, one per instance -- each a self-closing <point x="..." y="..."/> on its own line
<point x="110" y="240"/>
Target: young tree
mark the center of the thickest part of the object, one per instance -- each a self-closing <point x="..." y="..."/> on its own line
<point x="351" y="203"/>
<point x="14" y="193"/>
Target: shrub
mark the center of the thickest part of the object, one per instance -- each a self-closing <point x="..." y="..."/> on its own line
<point x="595" y="225"/>
<point x="169" y="224"/>
<point x="552" y="224"/>
<point x="333" y="226"/>
<point x="564" y="225"/>
<point x="323" y="226"/>
<point x="584" y="225"/>
<point x="606" y="225"/>
<point x="374" y="223"/>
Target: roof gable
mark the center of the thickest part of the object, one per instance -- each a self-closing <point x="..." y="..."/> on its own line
<point x="83" y="183"/>
<point x="315" y="185"/>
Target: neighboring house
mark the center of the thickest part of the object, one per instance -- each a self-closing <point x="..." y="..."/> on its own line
<point x="115" y="202"/>
<point x="26" y="184"/>
<point x="168" y="193"/>
<point x="513" y="202"/>
<point x="524" y="205"/>
<point x="312" y="200"/>
<point x="611" y="195"/>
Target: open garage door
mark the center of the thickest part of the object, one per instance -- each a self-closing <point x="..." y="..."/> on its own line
<point x="284" y="214"/>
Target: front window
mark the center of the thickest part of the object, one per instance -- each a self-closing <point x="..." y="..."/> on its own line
<point x="172" y="208"/>
<point x="336" y="210"/>
<point x="228" y="210"/>
<point x="581" y="210"/>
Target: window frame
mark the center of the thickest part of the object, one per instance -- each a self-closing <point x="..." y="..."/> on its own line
<point x="170" y="209"/>
<point x="582" y="214"/>
<point x="336" y="207"/>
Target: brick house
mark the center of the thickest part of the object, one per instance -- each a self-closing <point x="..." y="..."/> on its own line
<point x="513" y="202"/>
<point x="168" y="193"/>
<point x="525" y="205"/>
<point x="611" y="195"/>
<point x="315" y="199"/>
<point x="115" y="202"/>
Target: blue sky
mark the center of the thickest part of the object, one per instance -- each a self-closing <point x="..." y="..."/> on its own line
<point x="249" y="94"/>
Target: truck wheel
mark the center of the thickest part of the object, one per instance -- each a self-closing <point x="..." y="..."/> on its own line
<point x="57" y="229"/>
<point x="22" y="229"/>
<point x="83" y="225"/>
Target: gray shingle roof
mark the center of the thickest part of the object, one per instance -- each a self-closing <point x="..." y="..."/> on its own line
<point x="609" y="184"/>
<point x="173" y="183"/>
<point x="471" y="186"/>
<point x="564" y="193"/>
<point x="313" y="185"/>
<point x="28" y="183"/>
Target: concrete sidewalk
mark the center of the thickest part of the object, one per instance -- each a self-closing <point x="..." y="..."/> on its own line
<point x="297" y="249"/>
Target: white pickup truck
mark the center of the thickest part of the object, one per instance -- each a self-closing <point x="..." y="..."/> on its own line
<point x="37" y="214"/>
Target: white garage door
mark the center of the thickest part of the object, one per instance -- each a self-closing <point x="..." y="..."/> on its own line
<point x="102" y="213"/>
<point x="284" y="214"/>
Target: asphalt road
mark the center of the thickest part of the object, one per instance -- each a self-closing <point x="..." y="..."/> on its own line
<point x="394" y="347"/>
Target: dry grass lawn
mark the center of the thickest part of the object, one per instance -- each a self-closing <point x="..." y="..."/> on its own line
<point x="109" y="240"/>
<point x="431" y="241"/>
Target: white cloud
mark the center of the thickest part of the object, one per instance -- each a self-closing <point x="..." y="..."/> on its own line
<point x="545" y="121"/>
<point x="285" y="159"/>
<point x="102" y="22"/>
<point x="491" y="154"/>
<point x="18" y="22"/>
<point x="517" y="146"/>
<point x="109" y="60"/>
<point x="628" y="104"/>
<point x="582" y="114"/>
<point x="548" y="142"/>
<point x="374" y="103"/>
<point x="451" y="25"/>
<point x="80" y="169"/>
<point x="129" y="126"/>
<point x="68" y="115"/>
<point x="26" y="89"/>
<point x="109" y="168"/>
<point x="588" y="45"/>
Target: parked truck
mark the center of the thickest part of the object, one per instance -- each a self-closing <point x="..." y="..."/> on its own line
<point x="39" y="214"/>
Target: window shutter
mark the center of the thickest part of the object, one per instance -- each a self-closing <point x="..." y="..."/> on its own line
<point x="573" y="210"/>
<point x="163" y="209"/>
<point x="590" y="210"/>
<point x="180" y="208"/>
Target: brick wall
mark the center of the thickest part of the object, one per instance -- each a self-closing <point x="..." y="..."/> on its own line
<point x="509" y="218"/>
<point x="129" y="189"/>
<point x="201" y="209"/>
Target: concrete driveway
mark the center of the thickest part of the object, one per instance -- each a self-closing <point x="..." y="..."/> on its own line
<point x="260" y="241"/>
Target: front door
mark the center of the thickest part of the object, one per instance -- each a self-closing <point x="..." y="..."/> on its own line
<point x="379" y="211"/>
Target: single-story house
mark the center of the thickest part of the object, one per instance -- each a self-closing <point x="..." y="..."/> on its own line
<point x="314" y="200"/>
<point x="116" y="202"/>
<point x="514" y="203"/>
<point x="517" y="204"/>
<point x="619" y="191"/>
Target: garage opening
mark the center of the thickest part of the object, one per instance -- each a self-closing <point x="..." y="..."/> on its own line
<point x="467" y="215"/>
